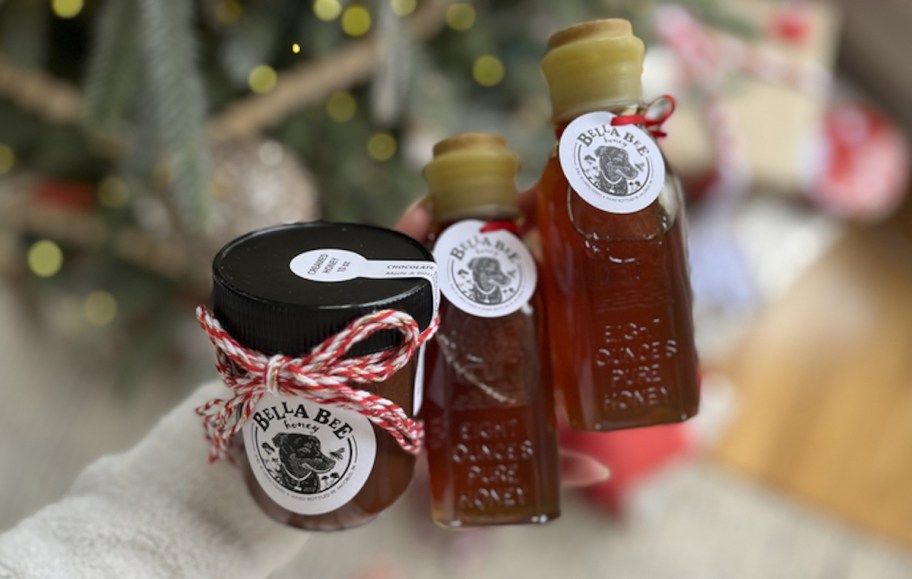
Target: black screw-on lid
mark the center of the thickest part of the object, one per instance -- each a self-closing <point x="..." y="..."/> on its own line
<point x="266" y="306"/>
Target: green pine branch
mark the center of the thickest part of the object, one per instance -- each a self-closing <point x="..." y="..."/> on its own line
<point x="177" y="103"/>
<point x="111" y="81"/>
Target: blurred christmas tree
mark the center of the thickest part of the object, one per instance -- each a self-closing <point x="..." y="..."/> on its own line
<point x="137" y="136"/>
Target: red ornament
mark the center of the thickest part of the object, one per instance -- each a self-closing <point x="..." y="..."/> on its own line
<point x="632" y="455"/>
<point x="790" y="24"/>
<point x="71" y="195"/>
<point x="860" y="164"/>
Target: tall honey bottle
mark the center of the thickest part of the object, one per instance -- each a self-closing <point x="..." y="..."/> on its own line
<point x="615" y="268"/>
<point x="492" y="448"/>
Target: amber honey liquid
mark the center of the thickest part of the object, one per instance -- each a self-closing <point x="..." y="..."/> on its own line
<point x="492" y="448"/>
<point x="618" y="302"/>
<point x="391" y="475"/>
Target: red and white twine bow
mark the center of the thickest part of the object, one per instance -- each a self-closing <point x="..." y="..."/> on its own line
<point x="322" y="376"/>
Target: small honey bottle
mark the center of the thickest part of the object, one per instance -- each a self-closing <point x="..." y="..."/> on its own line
<point x="611" y="217"/>
<point x="492" y="448"/>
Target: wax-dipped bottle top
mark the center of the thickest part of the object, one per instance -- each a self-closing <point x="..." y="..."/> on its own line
<point x="492" y="448"/>
<point x="611" y="218"/>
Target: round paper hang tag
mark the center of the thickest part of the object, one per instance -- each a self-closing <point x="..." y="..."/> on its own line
<point x="618" y="169"/>
<point x="309" y="458"/>
<point x="488" y="275"/>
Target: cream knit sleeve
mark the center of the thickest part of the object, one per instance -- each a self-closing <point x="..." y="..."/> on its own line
<point x="158" y="510"/>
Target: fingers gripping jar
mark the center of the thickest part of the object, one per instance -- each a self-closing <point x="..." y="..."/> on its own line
<point x="286" y="290"/>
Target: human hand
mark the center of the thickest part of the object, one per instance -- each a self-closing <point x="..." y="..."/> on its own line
<point x="577" y="469"/>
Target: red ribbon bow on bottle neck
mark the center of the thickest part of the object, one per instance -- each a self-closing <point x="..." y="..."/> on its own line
<point x="651" y="121"/>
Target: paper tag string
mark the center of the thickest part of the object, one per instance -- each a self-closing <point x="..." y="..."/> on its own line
<point x="501" y="226"/>
<point x="650" y="119"/>
<point x="322" y="376"/>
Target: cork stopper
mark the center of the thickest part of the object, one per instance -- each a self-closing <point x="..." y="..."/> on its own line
<point x="593" y="65"/>
<point x="472" y="174"/>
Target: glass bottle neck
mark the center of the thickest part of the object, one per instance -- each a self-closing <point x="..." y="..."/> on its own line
<point x="621" y="108"/>
<point x="488" y="214"/>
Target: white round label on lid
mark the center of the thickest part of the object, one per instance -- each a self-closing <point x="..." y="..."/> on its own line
<point x="488" y="275"/>
<point x="618" y="169"/>
<point x="309" y="458"/>
<point x="334" y="265"/>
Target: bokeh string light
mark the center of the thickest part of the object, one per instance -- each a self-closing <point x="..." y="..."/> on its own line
<point x="296" y="48"/>
<point x="341" y="107"/>
<point x="327" y="10"/>
<point x="228" y="12"/>
<point x="381" y="146"/>
<point x="99" y="308"/>
<point x="488" y="70"/>
<point x="66" y="8"/>
<point x="45" y="258"/>
<point x="7" y="159"/>
<point x="113" y="192"/>
<point x="460" y="16"/>
<point x="356" y="21"/>
<point x="262" y="79"/>
<point x="403" y="7"/>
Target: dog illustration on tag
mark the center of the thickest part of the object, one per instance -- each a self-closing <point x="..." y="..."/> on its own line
<point x="488" y="280"/>
<point x="615" y="170"/>
<point x="300" y="462"/>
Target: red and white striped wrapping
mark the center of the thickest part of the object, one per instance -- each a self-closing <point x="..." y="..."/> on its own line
<point x="706" y="56"/>
<point x="322" y="376"/>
